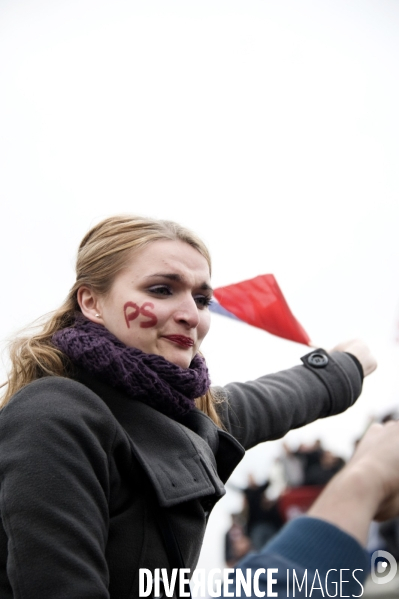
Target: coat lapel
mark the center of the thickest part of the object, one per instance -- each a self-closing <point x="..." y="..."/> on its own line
<point x="184" y="460"/>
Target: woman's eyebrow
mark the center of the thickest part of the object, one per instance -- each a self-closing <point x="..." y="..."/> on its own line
<point x="179" y="279"/>
<point x="171" y="276"/>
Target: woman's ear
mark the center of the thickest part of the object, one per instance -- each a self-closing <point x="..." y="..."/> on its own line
<point x="89" y="304"/>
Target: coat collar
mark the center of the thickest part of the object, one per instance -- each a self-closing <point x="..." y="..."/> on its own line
<point x="199" y="457"/>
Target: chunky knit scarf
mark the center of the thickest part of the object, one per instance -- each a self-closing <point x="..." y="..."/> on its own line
<point x="146" y="377"/>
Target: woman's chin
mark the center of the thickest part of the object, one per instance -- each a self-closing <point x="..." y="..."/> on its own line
<point x="179" y="359"/>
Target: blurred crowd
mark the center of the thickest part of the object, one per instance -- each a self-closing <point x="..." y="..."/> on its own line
<point x="295" y="481"/>
<point x="299" y="477"/>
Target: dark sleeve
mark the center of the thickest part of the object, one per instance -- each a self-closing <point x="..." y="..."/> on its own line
<point x="54" y="449"/>
<point x="267" y="408"/>
<point x="308" y="553"/>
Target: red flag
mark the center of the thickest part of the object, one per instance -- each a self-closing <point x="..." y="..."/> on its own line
<point x="260" y="302"/>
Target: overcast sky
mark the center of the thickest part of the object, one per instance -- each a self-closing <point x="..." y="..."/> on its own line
<point x="271" y="128"/>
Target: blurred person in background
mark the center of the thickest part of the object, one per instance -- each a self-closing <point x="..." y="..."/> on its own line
<point x="236" y="543"/>
<point x="261" y="514"/>
<point x="322" y="471"/>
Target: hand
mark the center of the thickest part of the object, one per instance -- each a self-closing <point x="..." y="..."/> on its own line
<point x="361" y="351"/>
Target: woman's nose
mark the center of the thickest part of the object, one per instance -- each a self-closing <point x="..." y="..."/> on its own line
<point x="187" y="312"/>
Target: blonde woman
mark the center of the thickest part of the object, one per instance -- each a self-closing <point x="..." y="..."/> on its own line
<point x="113" y="446"/>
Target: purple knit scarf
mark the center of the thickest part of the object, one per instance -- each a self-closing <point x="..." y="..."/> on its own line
<point x="146" y="377"/>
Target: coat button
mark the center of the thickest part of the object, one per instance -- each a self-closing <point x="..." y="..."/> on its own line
<point x="317" y="360"/>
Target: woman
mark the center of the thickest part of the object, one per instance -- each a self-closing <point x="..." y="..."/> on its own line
<point x="113" y="448"/>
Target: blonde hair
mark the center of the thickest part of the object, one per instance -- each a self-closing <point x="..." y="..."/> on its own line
<point x="102" y="254"/>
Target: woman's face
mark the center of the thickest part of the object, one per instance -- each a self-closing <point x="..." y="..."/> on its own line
<point x="159" y="302"/>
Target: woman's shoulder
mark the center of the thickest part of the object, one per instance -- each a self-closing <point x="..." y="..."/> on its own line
<point x="55" y="398"/>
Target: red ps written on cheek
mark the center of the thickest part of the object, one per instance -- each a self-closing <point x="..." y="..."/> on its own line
<point x="132" y="311"/>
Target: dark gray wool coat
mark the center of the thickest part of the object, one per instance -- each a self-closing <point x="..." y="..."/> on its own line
<point x="82" y="466"/>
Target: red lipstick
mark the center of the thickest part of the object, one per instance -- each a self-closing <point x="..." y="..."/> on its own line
<point x="180" y="340"/>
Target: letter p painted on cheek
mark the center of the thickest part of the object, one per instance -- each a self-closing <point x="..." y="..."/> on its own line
<point x="130" y="315"/>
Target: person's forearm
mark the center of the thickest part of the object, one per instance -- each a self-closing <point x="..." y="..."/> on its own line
<point x="350" y="501"/>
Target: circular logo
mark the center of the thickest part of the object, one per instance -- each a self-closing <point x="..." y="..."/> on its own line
<point x="383" y="567"/>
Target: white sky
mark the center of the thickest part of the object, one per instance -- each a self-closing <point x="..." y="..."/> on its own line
<point x="271" y="128"/>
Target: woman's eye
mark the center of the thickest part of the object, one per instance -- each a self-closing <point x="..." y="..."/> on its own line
<point x="203" y="301"/>
<point x="160" y="290"/>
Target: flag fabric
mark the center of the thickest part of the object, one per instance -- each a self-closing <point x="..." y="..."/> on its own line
<point x="260" y="303"/>
<point x="218" y="309"/>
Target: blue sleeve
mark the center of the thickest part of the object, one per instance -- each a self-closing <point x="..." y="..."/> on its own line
<point x="308" y="558"/>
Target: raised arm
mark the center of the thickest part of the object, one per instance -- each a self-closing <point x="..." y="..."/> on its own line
<point x="267" y="408"/>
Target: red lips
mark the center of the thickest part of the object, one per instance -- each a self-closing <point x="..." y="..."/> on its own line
<point x="180" y="340"/>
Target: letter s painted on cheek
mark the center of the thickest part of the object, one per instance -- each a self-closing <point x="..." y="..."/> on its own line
<point x="153" y="319"/>
<point x="143" y="309"/>
<point x="131" y="315"/>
